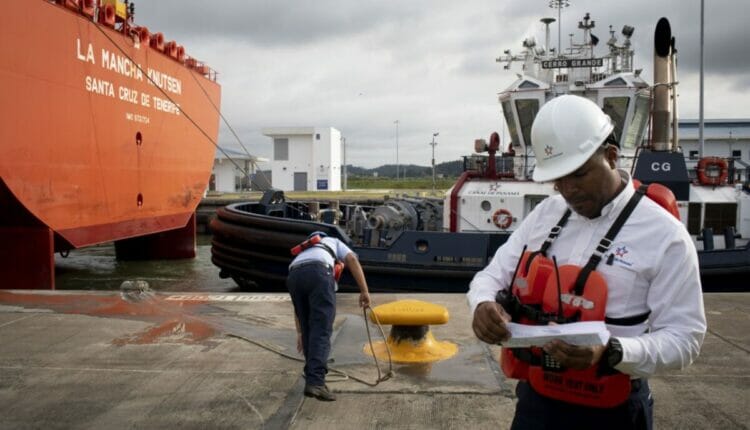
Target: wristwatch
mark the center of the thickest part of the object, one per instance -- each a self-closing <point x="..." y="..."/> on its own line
<point x="613" y="353"/>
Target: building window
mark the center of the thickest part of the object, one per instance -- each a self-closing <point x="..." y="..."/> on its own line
<point x="317" y="136"/>
<point x="693" y="155"/>
<point x="737" y="153"/>
<point x="281" y="149"/>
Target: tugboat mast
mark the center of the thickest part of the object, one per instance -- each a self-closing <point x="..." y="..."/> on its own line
<point x="559" y="4"/>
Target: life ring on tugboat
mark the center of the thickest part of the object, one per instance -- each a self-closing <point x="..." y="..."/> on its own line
<point x="502" y="218"/>
<point x="715" y="163"/>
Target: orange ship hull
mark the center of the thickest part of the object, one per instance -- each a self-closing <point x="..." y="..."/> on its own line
<point x="92" y="150"/>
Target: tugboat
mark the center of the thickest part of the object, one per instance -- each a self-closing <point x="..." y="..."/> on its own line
<point x="425" y="245"/>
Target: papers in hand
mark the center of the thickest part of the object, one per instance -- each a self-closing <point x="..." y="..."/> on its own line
<point x="586" y="333"/>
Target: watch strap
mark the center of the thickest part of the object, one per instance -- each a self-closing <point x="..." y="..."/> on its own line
<point x="611" y="357"/>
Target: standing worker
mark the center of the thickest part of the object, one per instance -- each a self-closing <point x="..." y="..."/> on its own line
<point x="597" y="251"/>
<point x="312" y="285"/>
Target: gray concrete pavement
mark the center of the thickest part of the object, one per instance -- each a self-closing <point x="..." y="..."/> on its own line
<point x="101" y="360"/>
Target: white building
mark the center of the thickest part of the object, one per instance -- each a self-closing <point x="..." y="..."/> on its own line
<point x="725" y="138"/>
<point x="721" y="137"/>
<point x="305" y="158"/>
<point x="226" y="177"/>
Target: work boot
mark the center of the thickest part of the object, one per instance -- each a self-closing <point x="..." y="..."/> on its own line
<point x="320" y="392"/>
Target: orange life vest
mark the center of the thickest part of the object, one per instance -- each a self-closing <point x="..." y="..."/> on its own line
<point x="544" y="292"/>
<point x="317" y="242"/>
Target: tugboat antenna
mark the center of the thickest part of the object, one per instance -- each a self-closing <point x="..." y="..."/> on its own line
<point x="559" y="4"/>
<point x="547" y="22"/>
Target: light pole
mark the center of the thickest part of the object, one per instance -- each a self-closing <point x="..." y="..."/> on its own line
<point x="701" y="144"/>
<point x="343" y="144"/>
<point x="433" y="160"/>
<point x="396" y="122"/>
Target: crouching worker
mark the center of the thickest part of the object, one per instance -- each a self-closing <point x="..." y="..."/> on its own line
<point x="312" y="285"/>
<point x="600" y="250"/>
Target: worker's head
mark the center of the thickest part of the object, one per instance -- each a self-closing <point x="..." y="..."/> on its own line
<point x="574" y="148"/>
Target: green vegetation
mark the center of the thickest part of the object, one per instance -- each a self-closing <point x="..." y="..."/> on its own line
<point x="380" y="183"/>
<point x="359" y="188"/>
<point x="447" y="169"/>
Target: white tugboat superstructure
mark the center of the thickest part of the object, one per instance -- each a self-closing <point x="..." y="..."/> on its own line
<point x="645" y="126"/>
<point x="608" y="80"/>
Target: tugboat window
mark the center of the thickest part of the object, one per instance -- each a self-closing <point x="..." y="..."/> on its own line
<point x="512" y="130"/>
<point x="615" y="82"/>
<point x="530" y="202"/>
<point x="486" y="206"/>
<point x="527" y="110"/>
<point x="281" y="149"/>
<point x="634" y="134"/>
<point x="617" y="109"/>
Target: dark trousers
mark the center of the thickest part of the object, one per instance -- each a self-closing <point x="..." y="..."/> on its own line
<point x="312" y="289"/>
<point x="535" y="411"/>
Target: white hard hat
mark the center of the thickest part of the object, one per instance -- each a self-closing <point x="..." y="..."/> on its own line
<point x="566" y="132"/>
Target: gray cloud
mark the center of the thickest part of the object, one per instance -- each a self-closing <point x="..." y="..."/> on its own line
<point x="278" y="22"/>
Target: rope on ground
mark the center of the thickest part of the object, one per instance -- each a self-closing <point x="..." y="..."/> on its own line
<point x="340" y="372"/>
<point x="372" y="349"/>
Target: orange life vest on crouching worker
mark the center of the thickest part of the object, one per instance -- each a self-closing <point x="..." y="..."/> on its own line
<point x="543" y="292"/>
<point x="317" y="242"/>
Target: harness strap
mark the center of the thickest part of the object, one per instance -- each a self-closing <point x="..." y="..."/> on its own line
<point x="634" y="320"/>
<point x="515" y="272"/>
<point x="606" y="241"/>
<point x="327" y="248"/>
<point x="554" y="232"/>
<point x="548" y="241"/>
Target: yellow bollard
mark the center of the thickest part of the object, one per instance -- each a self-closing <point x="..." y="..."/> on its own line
<point x="410" y="339"/>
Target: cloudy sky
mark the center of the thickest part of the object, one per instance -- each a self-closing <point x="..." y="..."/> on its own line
<point x="360" y="65"/>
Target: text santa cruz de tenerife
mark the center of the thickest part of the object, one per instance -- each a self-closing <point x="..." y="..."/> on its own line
<point x="124" y="66"/>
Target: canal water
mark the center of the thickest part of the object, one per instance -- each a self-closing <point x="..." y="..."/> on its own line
<point x="96" y="268"/>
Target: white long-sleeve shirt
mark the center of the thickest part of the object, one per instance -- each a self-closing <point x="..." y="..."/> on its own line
<point x="654" y="268"/>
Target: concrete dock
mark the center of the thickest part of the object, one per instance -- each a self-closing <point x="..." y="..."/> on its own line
<point x="141" y="359"/>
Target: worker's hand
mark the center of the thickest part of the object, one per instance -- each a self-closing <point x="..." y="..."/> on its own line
<point x="299" y="343"/>
<point x="364" y="300"/>
<point x="489" y="323"/>
<point x="574" y="357"/>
